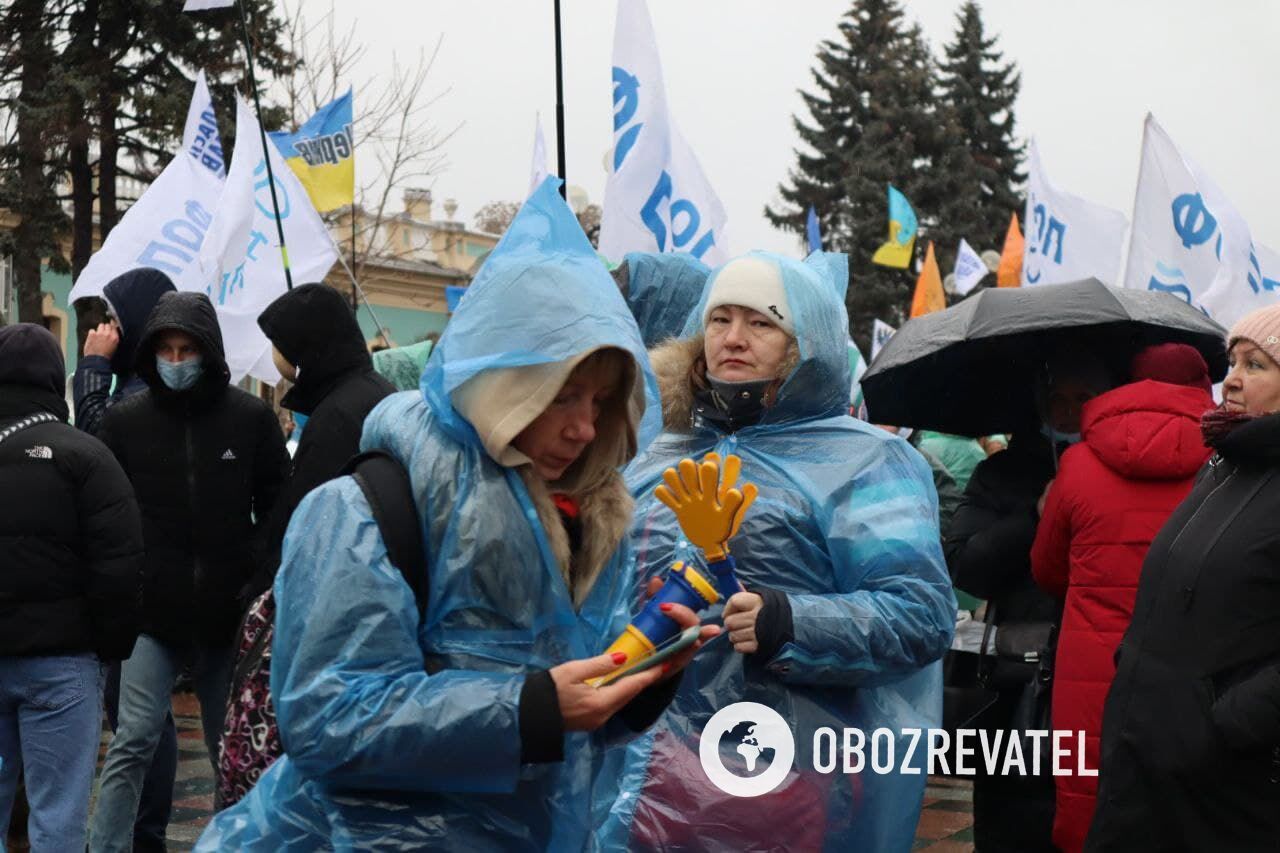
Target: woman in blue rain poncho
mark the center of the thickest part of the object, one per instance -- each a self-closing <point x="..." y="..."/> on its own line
<point x="468" y="730"/>
<point x="848" y="607"/>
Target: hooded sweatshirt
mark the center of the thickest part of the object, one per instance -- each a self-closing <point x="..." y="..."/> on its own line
<point x="132" y="296"/>
<point x="69" y="526"/>
<point x="315" y="329"/>
<point x="205" y="463"/>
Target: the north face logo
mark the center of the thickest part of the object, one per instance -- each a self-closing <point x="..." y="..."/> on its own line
<point x="228" y="455"/>
<point x="39" y="452"/>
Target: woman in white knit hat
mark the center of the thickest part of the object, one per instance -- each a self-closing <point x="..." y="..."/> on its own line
<point x="1191" y="729"/>
<point x="847" y="604"/>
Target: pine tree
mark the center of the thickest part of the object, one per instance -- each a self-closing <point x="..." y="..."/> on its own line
<point x="873" y="121"/>
<point x="979" y="90"/>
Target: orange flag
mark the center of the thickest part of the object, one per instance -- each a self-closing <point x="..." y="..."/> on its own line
<point x="1010" y="272"/>
<point x="929" y="296"/>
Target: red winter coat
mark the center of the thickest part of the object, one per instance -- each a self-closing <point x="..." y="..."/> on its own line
<point x="1141" y="450"/>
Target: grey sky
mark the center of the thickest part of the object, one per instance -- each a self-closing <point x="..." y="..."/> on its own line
<point x="1091" y="70"/>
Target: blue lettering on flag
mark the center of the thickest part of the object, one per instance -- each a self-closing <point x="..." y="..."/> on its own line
<point x="263" y="200"/>
<point x="626" y="100"/>
<point x="654" y="221"/>
<point x="179" y="241"/>
<point x="1192" y="220"/>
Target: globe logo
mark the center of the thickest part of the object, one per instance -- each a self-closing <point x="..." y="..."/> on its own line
<point x="746" y="749"/>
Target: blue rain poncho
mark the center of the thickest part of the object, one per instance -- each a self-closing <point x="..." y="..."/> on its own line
<point x="662" y="288"/>
<point x="846" y="526"/>
<point x="379" y="754"/>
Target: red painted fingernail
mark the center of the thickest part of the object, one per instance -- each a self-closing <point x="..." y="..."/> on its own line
<point x="666" y="608"/>
<point x="619" y="657"/>
<point x="666" y="667"/>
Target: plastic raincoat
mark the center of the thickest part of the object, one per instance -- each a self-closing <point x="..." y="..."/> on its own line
<point x="846" y="526"/>
<point x="661" y="289"/>
<point x="380" y="754"/>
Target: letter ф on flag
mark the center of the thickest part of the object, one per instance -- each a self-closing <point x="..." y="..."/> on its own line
<point x="1190" y="241"/>
<point x="902" y="233"/>
<point x="322" y="155"/>
<point x="657" y="198"/>
<point x="240" y="262"/>
<point x="928" y="296"/>
<point x="1010" y="272"/>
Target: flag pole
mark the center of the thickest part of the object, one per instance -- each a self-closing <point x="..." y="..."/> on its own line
<point x="262" y="132"/>
<point x="560" y="158"/>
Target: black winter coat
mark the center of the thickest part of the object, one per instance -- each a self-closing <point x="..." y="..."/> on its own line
<point x="70" y="535"/>
<point x="207" y="465"/>
<point x="315" y="329"/>
<point x="988" y="542"/>
<point x="1191" y="728"/>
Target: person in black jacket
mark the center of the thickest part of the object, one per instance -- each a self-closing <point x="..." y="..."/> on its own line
<point x="1191" y="727"/>
<point x="69" y="589"/>
<point x="111" y="349"/>
<point x="207" y="462"/>
<point x="988" y="550"/>
<point x="104" y="377"/>
<point x="319" y="347"/>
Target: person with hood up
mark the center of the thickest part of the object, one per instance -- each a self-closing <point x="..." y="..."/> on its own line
<point x="317" y="344"/>
<point x="848" y="608"/>
<point x="1140" y="451"/>
<point x="470" y="727"/>
<point x="111" y="349"/>
<point x="207" y="461"/>
<point x="988" y="548"/>
<point x="1191" y="728"/>
<point x="72" y="544"/>
<point x="110" y="355"/>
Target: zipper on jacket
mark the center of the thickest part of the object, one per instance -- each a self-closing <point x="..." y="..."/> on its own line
<point x="196" y="572"/>
<point x="1188" y="591"/>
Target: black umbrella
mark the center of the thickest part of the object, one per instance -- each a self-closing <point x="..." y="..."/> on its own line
<point x="971" y="369"/>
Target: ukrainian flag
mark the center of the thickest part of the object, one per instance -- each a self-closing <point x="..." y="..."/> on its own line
<point x="902" y="233"/>
<point x="322" y="154"/>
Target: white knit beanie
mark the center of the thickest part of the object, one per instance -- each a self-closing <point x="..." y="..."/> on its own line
<point x="754" y="283"/>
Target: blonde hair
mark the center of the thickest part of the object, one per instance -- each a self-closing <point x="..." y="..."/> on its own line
<point x="615" y="441"/>
<point x="698" y="369"/>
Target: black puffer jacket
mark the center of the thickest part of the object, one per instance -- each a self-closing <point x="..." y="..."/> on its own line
<point x="70" y="535"/>
<point x="316" y="331"/>
<point x="1191" y="728"/>
<point x="205" y="463"/>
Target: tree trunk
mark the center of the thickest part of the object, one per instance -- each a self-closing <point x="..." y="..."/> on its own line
<point x="32" y="231"/>
<point x="81" y="189"/>
<point x="109" y="149"/>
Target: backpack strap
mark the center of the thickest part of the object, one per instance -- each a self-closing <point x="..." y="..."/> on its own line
<point x="387" y="487"/>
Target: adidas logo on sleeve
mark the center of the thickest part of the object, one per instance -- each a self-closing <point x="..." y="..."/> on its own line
<point x="228" y="455"/>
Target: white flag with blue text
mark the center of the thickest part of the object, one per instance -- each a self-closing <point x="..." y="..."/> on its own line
<point x="657" y="198"/>
<point x="1068" y="238"/>
<point x="200" y="135"/>
<point x="241" y="263"/>
<point x="165" y="228"/>
<point x="1190" y="241"/>
<point x="880" y="334"/>
<point x="970" y="268"/>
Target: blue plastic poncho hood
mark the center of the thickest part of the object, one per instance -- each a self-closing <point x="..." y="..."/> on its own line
<point x="541" y="296"/>
<point x="662" y="288"/>
<point x="406" y="734"/>
<point x="815" y="289"/>
<point x="845" y="531"/>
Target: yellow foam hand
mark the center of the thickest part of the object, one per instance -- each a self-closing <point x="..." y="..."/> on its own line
<point x="707" y="505"/>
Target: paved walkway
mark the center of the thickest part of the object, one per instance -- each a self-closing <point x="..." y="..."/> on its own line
<point x="946" y="823"/>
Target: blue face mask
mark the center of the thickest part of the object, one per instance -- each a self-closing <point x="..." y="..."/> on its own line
<point x="180" y="375"/>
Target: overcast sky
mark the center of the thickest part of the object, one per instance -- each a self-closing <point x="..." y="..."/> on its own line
<point x="1091" y="69"/>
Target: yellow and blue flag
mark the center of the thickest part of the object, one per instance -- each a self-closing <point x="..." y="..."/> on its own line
<point x="322" y="154"/>
<point x="902" y="233"/>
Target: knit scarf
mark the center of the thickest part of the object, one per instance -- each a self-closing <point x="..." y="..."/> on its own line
<point x="1219" y="423"/>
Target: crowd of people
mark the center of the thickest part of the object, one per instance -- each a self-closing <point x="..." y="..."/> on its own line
<point x="1130" y="524"/>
